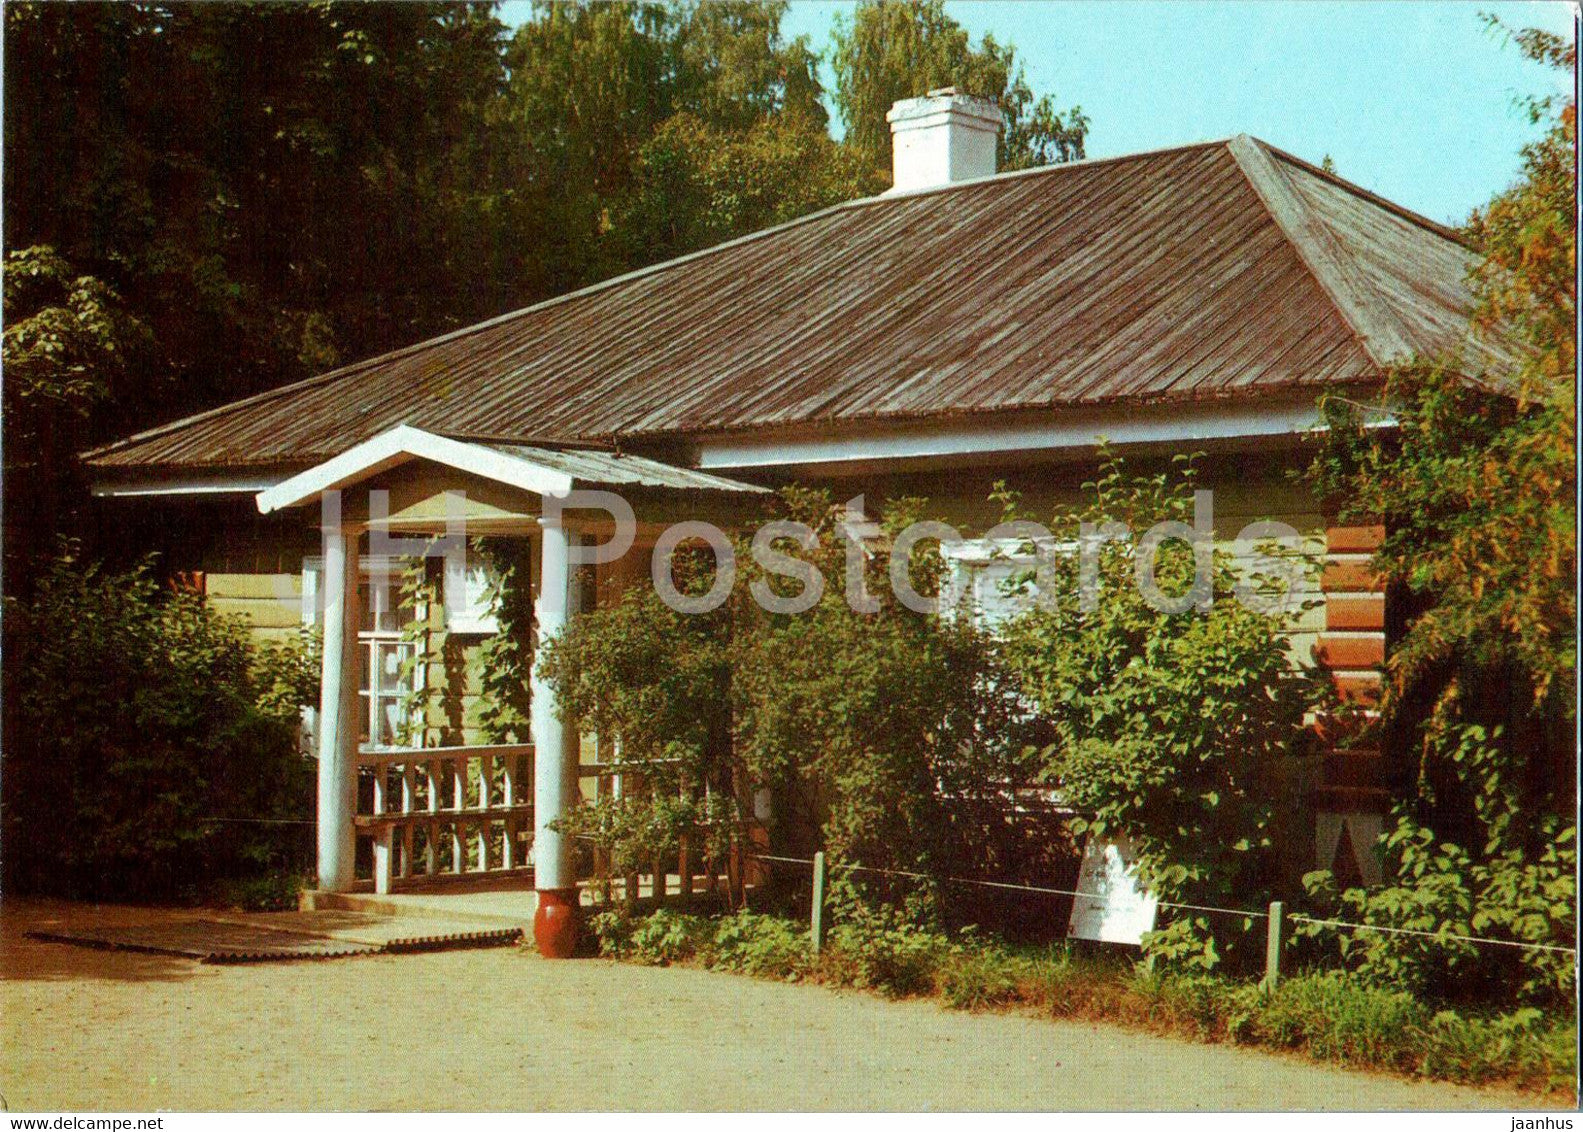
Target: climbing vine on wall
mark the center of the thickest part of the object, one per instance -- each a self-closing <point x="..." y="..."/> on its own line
<point x="423" y="635"/>
<point x="505" y="661"/>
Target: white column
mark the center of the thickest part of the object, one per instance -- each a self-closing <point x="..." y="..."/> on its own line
<point x="338" y="702"/>
<point x="556" y="743"/>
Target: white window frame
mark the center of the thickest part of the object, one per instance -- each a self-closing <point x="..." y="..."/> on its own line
<point x="969" y="561"/>
<point x="371" y="641"/>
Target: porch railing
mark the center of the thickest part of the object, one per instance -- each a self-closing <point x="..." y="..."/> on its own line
<point x="687" y="870"/>
<point x="446" y="811"/>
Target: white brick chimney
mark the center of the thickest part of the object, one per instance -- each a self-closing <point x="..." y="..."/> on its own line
<point x="942" y="137"/>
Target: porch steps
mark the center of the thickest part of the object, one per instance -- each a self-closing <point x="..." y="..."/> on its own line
<point x="511" y="907"/>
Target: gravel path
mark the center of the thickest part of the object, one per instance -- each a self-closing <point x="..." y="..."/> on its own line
<point x="503" y="1029"/>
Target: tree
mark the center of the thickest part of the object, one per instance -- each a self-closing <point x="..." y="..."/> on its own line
<point x="254" y="180"/>
<point x="695" y="185"/>
<point x="895" y="49"/>
<point x="1476" y="487"/>
<point x="69" y="347"/>
<point x="639" y="131"/>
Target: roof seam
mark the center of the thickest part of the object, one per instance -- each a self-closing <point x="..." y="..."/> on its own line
<point x="1381" y="334"/>
<point x="1443" y="230"/>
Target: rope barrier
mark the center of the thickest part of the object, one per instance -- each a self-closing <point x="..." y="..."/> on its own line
<point x="1435" y="935"/>
<point x="1008" y="885"/>
<point x="268" y="821"/>
<point x="1443" y="936"/>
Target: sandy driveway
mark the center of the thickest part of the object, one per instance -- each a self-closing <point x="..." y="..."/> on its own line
<point x="503" y="1029"/>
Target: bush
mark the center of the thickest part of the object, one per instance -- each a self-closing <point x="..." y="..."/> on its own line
<point x="880" y="950"/>
<point x="1173" y="729"/>
<point x="751" y="943"/>
<point x="139" y="762"/>
<point x="885" y="737"/>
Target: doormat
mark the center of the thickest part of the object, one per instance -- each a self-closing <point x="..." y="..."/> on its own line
<point x="238" y="941"/>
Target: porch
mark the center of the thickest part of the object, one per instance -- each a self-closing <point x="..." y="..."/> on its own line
<point x="480" y="818"/>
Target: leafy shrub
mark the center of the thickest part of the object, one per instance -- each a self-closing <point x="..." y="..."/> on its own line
<point x="666" y="937"/>
<point x="140" y="762"/>
<point x="1445" y="891"/>
<point x="1172" y="728"/>
<point x="888" y="732"/>
<point x="751" y="943"/>
<point x="659" y="939"/>
<point x="881" y="950"/>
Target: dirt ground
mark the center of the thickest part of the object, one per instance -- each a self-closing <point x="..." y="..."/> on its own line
<point x="505" y="1030"/>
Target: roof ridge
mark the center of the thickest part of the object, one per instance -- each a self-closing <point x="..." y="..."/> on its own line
<point x="1033" y="171"/>
<point x="1373" y="322"/>
<point x="1401" y="210"/>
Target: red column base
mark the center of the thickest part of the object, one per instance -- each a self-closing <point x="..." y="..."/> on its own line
<point x="556" y="921"/>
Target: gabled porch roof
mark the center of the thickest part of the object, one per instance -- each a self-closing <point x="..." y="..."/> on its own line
<point x="538" y="470"/>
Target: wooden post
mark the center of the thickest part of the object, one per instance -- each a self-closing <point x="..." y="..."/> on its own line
<point x="384" y="844"/>
<point x="409" y="795"/>
<point x="557" y="750"/>
<point x="816" y="917"/>
<point x="1273" y="944"/>
<point x="338" y="702"/>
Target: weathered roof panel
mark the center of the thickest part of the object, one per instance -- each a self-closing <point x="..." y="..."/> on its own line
<point x="618" y="469"/>
<point x="1153" y="276"/>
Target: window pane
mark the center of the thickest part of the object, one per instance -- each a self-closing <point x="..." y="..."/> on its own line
<point x="390" y="655"/>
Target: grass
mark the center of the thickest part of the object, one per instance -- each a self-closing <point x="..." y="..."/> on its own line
<point x="1327" y="1016"/>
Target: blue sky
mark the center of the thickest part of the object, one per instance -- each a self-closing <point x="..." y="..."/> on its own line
<point x="1413" y="99"/>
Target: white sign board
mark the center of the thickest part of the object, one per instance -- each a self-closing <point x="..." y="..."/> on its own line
<point x="1116" y="908"/>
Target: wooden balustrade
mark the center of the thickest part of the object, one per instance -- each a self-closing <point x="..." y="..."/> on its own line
<point x="439" y="812"/>
<point x="469" y="808"/>
<point x="677" y="875"/>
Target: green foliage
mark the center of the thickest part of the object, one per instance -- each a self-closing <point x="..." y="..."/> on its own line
<point x="423" y="634"/>
<point x="892" y="732"/>
<point x="879" y="949"/>
<point x="895" y="49"/>
<point x="69" y="345"/>
<point x="67" y="337"/>
<point x="1172" y="729"/>
<point x="752" y="943"/>
<point x="1476" y="486"/>
<point x="694" y="184"/>
<point x="654" y="684"/>
<point x="505" y="659"/>
<point x="1442" y="889"/>
<point x="144" y="757"/>
<point x="286" y="673"/>
<point x="657" y="940"/>
<point x="981" y="976"/>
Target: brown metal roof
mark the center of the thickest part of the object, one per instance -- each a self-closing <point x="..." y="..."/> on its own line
<point x="622" y="469"/>
<point x="1220" y="269"/>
